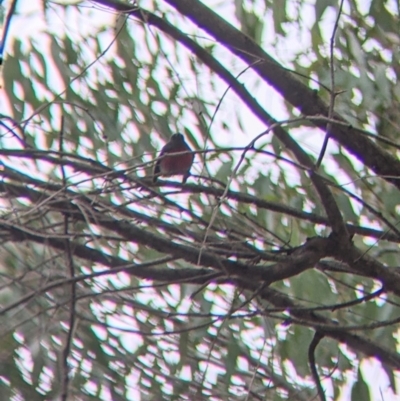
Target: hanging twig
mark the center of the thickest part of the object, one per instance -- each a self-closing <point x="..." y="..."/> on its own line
<point x="333" y="93"/>
<point x="6" y="28"/>
<point x="318" y="336"/>
<point x="70" y="264"/>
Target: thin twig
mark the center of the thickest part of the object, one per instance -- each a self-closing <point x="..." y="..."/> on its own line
<point x="56" y="97"/>
<point x="70" y="264"/>
<point x="253" y="376"/>
<point x="333" y="94"/>
<point x="226" y="190"/>
<point x="6" y="28"/>
<point x="318" y="336"/>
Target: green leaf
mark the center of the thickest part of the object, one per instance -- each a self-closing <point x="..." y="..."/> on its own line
<point x="392" y="379"/>
<point x="360" y="389"/>
<point x="70" y="51"/>
<point x="356" y="49"/>
<point x="231" y="358"/>
<point x="294" y="348"/>
<point x="321" y="6"/>
<point x="224" y="171"/>
<point x="346" y="208"/>
<point x="251" y="24"/>
<point x="279" y="15"/>
<point x="383" y="18"/>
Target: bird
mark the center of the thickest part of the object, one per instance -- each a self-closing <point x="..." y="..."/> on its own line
<point x="176" y="164"/>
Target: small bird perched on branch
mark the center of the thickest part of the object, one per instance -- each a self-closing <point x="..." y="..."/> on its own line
<point x="177" y="163"/>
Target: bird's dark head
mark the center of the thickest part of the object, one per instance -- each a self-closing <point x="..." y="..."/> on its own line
<point x="178" y="137"/>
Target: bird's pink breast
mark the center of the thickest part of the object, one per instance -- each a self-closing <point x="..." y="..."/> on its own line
<point x="176" y="164"/>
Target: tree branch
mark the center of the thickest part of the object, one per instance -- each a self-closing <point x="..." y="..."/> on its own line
<point x="294" y="91"/>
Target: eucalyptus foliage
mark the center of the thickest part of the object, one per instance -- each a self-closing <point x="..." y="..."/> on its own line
<point x="272" y="273"/>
